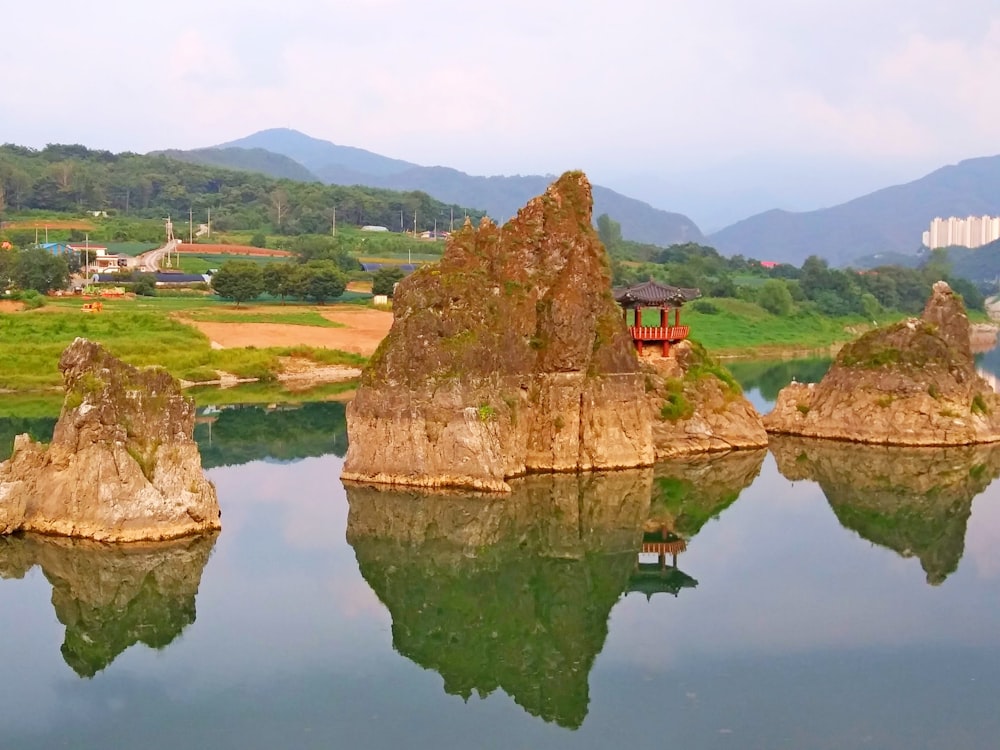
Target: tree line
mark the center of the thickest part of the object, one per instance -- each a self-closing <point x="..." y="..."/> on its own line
<point x="783" y="289"/>
<point x="73" y="178"/>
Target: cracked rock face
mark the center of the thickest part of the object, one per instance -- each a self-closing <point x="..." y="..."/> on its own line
<point x="912" y="383"/>
<point x="510" y="356"/>
<point x="122" y="465"/>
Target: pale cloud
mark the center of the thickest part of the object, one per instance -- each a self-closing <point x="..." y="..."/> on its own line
<point x="664" y="87"/>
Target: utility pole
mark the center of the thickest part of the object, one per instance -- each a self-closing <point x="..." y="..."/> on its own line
<point x="414" y="226"/>
<point x="86" y="254"/>
<point x="209" y="223"/>
<point x="190" y="226"/>
<point x="451" y="227"/>
<point x="401" y="220"/>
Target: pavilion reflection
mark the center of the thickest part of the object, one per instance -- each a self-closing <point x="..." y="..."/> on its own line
<point x="514" y="592"/>
<point x="686" y="494"/>
<point x="914" y="501"/>
<point x="110" y="597"/>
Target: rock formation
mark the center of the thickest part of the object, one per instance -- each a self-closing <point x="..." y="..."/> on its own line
<point x="696" y="406"/>
<point x="912" y="383"/>
<point x="511" y="356"/>
<point x="110" y="597"/>
<point x="122" y="465"/>
<point x="505" y="592"/>
<point x="914" y="501"/>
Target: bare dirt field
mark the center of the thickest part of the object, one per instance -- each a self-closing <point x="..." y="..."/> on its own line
<point x="9" y="305"/>
<point x="81" y="224"/>
<point x="363" y="329"/>
<point x="200" y="248"/>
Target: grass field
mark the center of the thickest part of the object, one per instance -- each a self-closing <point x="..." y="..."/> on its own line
<point x="31" y="343"/>
<point x="196" y="263"/>
<point x="744" y="328"/>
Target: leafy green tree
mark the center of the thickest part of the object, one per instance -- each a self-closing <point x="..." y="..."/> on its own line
<point x="385" y="279"/>
<point x="259" y="239"/>
<point x="319" y="280"/>
<point x="238" y="280"/>
<point x="870" y="306"/>
<point x="144" y="285"/>
<point x="775" y="297"/>
<point x="40" y="270"/>
<point x="321" y="247"/>
<point x="7" y="259"/>
<point x="609" y="231"/>
<point x="279" y="279"/>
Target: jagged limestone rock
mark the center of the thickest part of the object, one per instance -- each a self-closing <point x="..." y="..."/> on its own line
<point x="696" y="406"/>
<point x="912" y="383"/>
<point x="122" y="465"/>
<point x="511" y="356"/>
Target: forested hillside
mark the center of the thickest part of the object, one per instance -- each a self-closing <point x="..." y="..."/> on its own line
<point x="501" y="196"/>
<point x="246" y="159"/>
<point x="72" y="178"/>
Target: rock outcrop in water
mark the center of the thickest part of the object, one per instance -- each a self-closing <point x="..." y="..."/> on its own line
<point x="122" y="465"/>
<point x="914" y="501"/>
<point x="696" y="406"/>
<point x="912" y="383"/>
<point x="110" y="597"/>
<point x="511" y="356"/>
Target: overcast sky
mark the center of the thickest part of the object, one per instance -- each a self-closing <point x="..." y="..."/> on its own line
<point x="693" y="105"/>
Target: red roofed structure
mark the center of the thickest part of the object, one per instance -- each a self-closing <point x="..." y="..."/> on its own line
<point x="654" y="294"/>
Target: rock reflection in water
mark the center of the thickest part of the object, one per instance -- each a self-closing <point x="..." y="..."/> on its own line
<point x="509" y="592"/>
<point x="110" y="597"/>
<point x="915" y="501"/>
<point x="514" y="592"/>
<point x="686" y="494"/>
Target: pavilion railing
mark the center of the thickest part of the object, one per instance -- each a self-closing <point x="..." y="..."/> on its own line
<point x="659" y="333"/>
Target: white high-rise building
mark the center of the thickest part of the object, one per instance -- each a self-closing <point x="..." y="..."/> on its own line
<point x="973" y="231"/>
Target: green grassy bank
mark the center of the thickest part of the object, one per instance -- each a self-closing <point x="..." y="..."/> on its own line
<point x="32" y="341"/>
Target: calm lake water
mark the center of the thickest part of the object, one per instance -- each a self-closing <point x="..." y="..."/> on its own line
<point x="813" y="596"/>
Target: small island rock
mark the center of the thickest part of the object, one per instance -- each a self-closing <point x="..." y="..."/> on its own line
<point x="122" y="465"/>
<point x="509" y="356"/>
<point x="912" y="383"/>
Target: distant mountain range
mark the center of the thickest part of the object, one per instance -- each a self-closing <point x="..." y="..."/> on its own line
<point x="890" y="220"/>
<point x="887" y="223"/>
<point x="288" y="153"/>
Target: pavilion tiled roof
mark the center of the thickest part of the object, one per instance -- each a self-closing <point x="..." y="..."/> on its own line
<point x="654" y="293"/>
